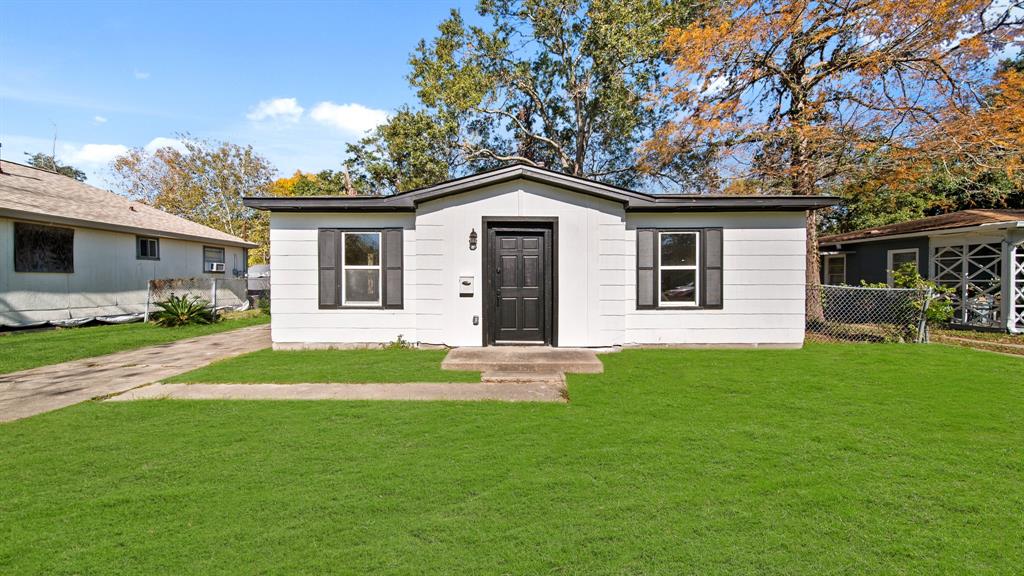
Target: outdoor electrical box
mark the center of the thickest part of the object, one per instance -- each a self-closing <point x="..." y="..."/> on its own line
<point x="465" y="285"/>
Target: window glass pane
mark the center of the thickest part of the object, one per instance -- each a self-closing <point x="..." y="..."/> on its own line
<point x="678" y="285"/>
<point x="679" y="249"/>
<point x="213" y="255"/>
<point x="901" y="258"/>
<point x="836" y="270"/>
<point x="362" y="249"/>
<point x="40" y="248"/>
<point x="362" y="285"/>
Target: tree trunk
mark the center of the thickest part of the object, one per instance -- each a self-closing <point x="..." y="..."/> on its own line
<point x="803" y="184"/>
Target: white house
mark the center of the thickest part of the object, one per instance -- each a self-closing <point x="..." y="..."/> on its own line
<point x="521" y="255"/>
<point x="69" y="250"/>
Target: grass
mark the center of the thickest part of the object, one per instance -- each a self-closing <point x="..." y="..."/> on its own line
<point x="836" y="459"/>
<point x="359" y="366"/>
<point x="989" y="336"/>
<point x="24" y="350"/>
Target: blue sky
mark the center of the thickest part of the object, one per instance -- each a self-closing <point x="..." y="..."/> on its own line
<point x="297" y="80"/>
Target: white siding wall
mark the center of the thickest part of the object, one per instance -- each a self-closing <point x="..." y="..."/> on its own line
<point x="763" y="282"/>
<point x="107" y="279"/>
<point x="584" y="222"/>
<point x="294" y="305"/>
<point x="763" y="274"/>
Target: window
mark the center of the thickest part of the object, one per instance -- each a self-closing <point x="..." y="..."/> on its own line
<point x="213" y="259"/>
<point x="835" y="269"/>
<point x="360" y="257"/>
<point x="39" y="248"/>
<point x="147" y="248"/>
<point x="900" y="258"/>
<point x="678" y="265"/>
<point x="359" y="268"/>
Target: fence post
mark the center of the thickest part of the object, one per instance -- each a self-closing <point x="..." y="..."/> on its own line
<point x="149" y="290"/>
<point x="922" y="329"/>
<point x="213" y="297"/>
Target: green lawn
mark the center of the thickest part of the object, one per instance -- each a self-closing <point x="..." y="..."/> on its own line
<point x="24" y="350"/>
<point x="841" y="459"/>
<point x="359" y="366"/>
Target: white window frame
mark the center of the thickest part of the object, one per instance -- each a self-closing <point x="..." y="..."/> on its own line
<point x="829" y="257"/>
<point x="378" y="267"/>
<point x="695" y="267"/>
<point x="889" y="269"/>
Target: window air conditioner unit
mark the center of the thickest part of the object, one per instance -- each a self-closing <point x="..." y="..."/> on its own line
<point x="214" y="266"/>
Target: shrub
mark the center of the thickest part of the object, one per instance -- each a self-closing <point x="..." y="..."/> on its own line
<point x="940" y="307"/>
<point x="263" y="304"/>
<point x="184" y="311"/>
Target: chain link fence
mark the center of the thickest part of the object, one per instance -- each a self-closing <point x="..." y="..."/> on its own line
<point x="859" y="314"/>
<point x="220" y="293"/>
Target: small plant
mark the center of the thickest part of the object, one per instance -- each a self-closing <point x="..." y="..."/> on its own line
<point x="399" y="343"/>
<point x="183" y="311"/>
<point x="263" y="303"/>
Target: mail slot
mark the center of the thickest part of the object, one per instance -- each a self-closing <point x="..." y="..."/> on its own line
<point x="465" y="285"/>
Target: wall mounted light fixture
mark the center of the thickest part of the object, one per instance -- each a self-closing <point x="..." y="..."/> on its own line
<point x="472" y="239"/>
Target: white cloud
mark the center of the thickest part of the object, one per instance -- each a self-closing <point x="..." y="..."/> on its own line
<point x="354" y="118"/>
<point x="283" y="108"/>
<point x="99" y="119"/>
<point x="163" y="142"/>
<point x="140" y="75"/>
<point x="94" y="154"/>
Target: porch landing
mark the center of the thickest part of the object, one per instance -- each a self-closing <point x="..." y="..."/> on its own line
<point x="505" y="360"/>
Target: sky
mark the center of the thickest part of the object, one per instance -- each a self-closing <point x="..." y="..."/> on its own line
<point x="296" y="80"/>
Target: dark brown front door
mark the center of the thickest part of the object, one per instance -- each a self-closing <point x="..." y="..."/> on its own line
<point x="520" y="285"/>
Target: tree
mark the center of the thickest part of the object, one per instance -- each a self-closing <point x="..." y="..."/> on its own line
<point x="48" y="162"/>
<point x="412" y="150"/>
<point x="790" y="96"/>
<point x="203" y="181"/>
<point x="971" y="157"/>
<point x="323" y="183"/>
<point x="555" y="83"/>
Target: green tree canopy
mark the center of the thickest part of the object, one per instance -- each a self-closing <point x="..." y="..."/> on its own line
<point x="556" y="83"/>
<point x="48" y="162"/>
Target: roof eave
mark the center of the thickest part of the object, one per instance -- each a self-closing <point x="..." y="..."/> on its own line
<point x="96" y="225"/>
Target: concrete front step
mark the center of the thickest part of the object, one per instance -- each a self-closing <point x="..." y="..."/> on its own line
<point x="522" y="377"/>
<point x="523" y="359"/>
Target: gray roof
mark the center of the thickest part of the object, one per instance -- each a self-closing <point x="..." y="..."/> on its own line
<point x="28" y="193"/>
<point x="633" y="201"/>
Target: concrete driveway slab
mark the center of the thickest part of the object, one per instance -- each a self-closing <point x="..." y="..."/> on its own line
<point x="30" y="392"/>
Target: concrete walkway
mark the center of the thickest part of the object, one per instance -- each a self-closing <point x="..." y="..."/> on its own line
<point x="30" y="392"/>
<point x="545" y="390"/>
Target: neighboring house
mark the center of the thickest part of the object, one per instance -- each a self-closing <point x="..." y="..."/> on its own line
<point x="979" y="253"/>
<point x="69" y="250"/>
<point x="521" y="255"/>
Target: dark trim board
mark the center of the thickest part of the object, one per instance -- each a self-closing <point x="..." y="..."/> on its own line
<point x="632" y="201"/>
<point x="549" y="225"/>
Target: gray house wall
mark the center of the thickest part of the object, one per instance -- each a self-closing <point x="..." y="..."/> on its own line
<point x="869" y="261"/>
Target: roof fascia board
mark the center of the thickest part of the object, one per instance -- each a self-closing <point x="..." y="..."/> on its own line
<point x="929" y="233"/>
<point x="94" y="225"/>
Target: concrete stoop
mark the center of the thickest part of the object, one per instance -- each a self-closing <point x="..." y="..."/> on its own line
<point x="523" y="360"/>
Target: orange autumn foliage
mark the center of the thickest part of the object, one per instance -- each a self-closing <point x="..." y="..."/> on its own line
<point x="791" y="95"/>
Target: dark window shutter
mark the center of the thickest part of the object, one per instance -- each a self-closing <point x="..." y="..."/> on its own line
<point x="645" y="272"/>
<point x="393" y="268"/>
<point x="329" y="269"/>
<point x="712" y="268"/>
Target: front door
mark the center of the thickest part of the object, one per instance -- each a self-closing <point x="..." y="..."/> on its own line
<point x="520" y="286"/>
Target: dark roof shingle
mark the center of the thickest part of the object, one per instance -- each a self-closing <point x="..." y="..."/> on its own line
<point x="961" y="219"/>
